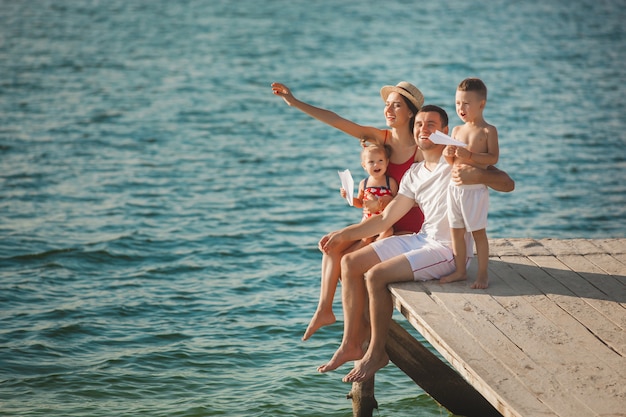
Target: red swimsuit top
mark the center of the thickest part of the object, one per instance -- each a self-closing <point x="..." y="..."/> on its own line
<point x="412" y="221"/>
<point x="377" y="191"/>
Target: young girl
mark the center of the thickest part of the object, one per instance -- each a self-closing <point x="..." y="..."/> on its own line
<point x="378" y="186"/>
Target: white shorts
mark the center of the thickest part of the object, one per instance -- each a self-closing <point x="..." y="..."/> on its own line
<point x="468" y="206"/>
<point x="429" y="259"/>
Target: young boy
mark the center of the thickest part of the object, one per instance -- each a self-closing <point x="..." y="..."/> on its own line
<point x="468" y="205"/>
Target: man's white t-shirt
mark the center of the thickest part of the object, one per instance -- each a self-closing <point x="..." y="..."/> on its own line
<point x="429" y="190"/>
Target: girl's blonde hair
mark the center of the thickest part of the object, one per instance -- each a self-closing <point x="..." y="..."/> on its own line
<point x="375" y="147"/>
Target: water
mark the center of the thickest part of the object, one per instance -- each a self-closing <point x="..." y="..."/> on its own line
<point x="160" y="208"/>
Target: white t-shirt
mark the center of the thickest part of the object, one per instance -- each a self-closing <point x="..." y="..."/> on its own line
<point x="429" y="190"/>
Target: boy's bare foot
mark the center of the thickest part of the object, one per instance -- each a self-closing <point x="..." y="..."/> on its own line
<point x="366" y="368"/>
<point x="453" y="277"/>
<point x="320" y="319"/>
<point x="342" y="355"/>
<point x="481" y="283"/>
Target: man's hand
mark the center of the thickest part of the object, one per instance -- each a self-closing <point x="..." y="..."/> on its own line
<point x="463" y="174"/>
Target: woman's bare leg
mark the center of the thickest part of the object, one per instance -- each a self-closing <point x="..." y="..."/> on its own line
<point x="354" y="297"/>
<point x="331" y="270"/>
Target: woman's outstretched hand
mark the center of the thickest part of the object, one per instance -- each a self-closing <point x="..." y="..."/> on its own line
<point x="283" y="91"/>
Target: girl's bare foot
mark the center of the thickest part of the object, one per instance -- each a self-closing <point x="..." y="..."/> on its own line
<point x="320" y="319"/>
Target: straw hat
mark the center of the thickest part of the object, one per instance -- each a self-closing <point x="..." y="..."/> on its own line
<point x="407" y="89"/>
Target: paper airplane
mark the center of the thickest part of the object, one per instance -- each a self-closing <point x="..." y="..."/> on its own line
<point x="441" y="138"/>
<point x="347" y="183"/>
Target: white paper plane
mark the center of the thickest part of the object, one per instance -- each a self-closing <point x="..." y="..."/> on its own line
<point x="347" y="183"/>
<point x="441" y="138"/>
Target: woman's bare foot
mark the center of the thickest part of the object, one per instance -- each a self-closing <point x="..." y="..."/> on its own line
<point x="366" y="368"/>
<point x="453" y="277"/>
<point x="342" y="355"/>
<point x="481" y="282"/>
<point x="320" y="319"/>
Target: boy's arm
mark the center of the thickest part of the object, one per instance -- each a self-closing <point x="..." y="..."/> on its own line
<point x="493" y="151"/>
<point x="492" y="177"/>
<point x="448" y="154"/>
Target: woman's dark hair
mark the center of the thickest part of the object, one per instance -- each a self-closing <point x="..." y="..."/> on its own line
<point x="413" y="109"/>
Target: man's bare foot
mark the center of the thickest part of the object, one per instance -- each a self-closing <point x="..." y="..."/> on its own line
<point x="366" y="368"/>
<point x="481" y="283"/>
<point x="453" y="277"/>
<point x="320" y="319"/>
<point x="342" y="355"/>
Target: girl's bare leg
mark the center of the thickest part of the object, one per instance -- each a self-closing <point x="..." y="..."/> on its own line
<point x="331" y="269"/>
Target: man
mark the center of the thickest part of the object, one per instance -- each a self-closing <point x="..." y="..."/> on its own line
<point x="424" y="256"/>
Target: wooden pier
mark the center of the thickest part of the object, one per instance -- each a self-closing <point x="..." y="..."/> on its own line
<point x="547" y="338"/>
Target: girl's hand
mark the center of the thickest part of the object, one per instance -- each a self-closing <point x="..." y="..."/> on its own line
<point x="343" y="192"/>
<point x="370" y="203"/>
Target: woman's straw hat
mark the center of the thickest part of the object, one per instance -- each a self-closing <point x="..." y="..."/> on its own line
<point x="407" y="89"/>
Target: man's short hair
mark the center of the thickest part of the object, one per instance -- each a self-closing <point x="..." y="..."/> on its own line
<point x="437" y="109"/>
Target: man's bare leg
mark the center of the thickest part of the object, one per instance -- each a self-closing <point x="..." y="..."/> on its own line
<point x="381" y="310"/>
<point x="354" y="298"/>
<point x="331" y="270"/>
<point x="460" y="257"/>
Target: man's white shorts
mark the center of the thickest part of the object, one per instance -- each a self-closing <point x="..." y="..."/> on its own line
<point x="429" y="258"/>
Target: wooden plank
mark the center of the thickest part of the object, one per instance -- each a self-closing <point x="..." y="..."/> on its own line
<point x="523" y="327"/>
<point x="611" y="246"/>
<point x="600" y="273"/>
<point x="582" y="362"/>
<point x="546" y="338"/>
<point x="528" y="247"/>
<point x="488" y="375"/>
<point x="502" y="247"/>
<point x="448" y="388"/>
<point x="593" y="308"/>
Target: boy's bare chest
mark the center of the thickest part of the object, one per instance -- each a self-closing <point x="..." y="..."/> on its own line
<point x="475" y="137"/>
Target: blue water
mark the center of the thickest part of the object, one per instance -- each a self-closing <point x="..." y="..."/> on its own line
<point x="160" y="208"/>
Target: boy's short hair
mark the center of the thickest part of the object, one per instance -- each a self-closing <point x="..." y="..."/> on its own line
<point x="474" y="84"/>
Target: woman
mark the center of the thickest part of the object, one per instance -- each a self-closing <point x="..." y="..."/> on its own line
<point x="402" y="102"/>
